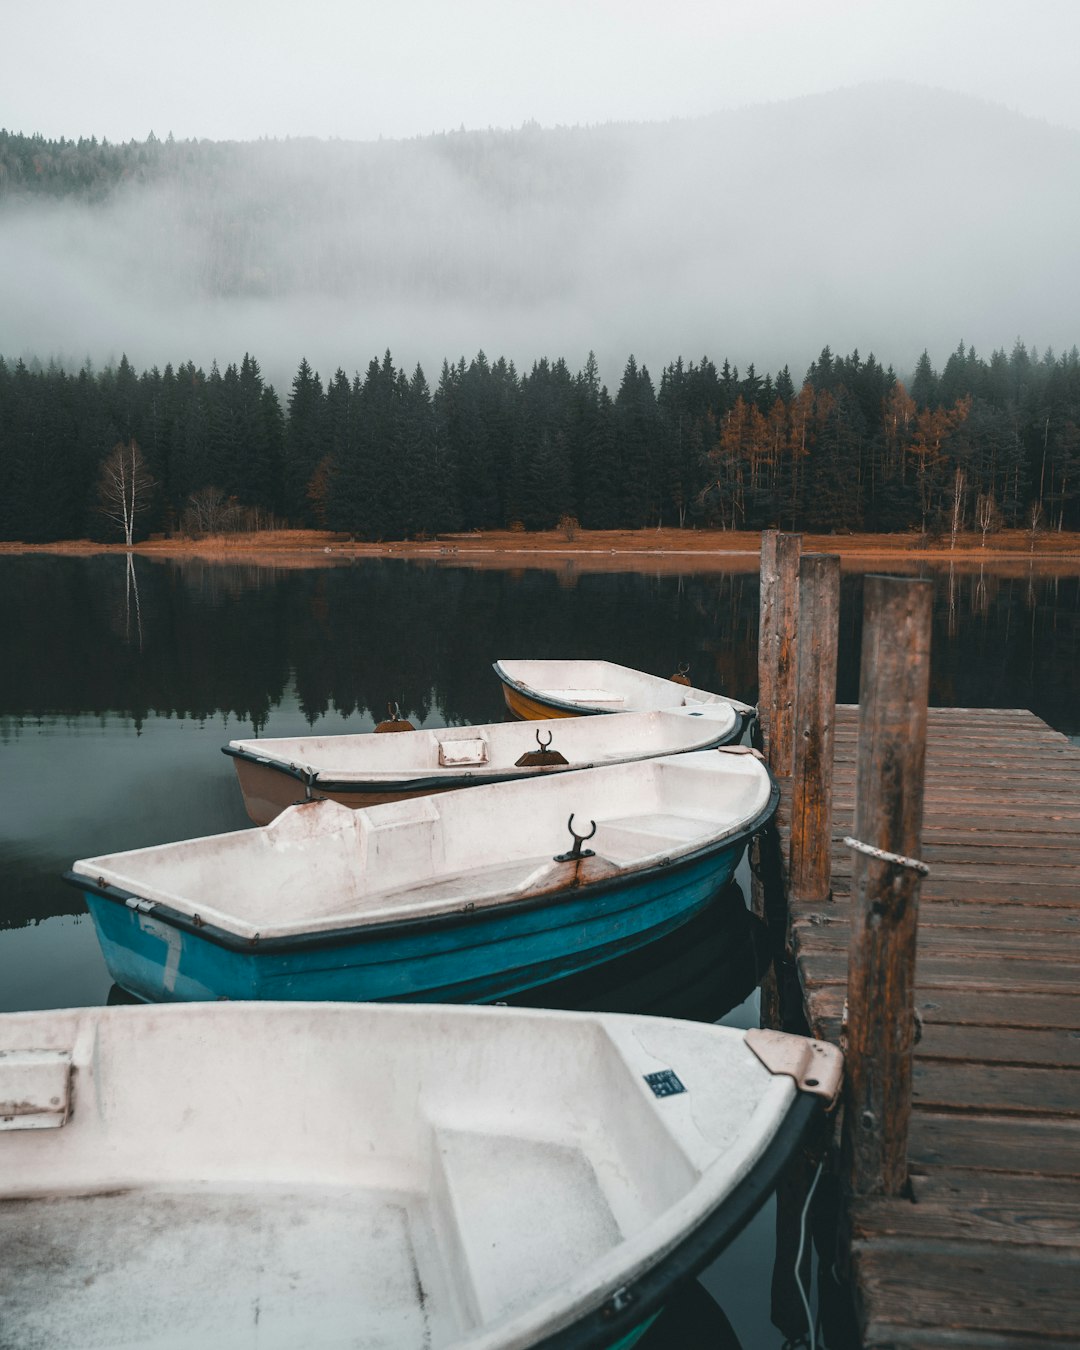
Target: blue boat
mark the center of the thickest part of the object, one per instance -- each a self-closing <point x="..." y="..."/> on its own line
<point x="468" y="896"/>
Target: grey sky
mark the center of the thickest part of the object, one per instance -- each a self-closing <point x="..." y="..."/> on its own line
<point x="240" y="69"/>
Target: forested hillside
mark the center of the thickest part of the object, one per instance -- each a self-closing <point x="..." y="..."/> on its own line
<point x="905" y="215"/>
<point x="978" y="445"/>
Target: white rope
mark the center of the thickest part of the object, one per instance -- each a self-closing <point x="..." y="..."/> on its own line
<point x="913" y="864"/>
<point x="798" y="1259"/>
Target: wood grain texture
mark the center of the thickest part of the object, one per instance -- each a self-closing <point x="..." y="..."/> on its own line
<point x="778" y="647"/>
<point x="811" y="784"/>
<point x="884" y="910"/>
<point x="988" y="1254"/>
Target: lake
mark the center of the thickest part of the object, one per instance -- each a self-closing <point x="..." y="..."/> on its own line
<point x="118" y="687"/>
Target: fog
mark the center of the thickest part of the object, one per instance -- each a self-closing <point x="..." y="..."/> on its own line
<point x="886" y="217"/>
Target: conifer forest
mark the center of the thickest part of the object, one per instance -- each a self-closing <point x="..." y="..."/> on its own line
<point x="979" y="445"/>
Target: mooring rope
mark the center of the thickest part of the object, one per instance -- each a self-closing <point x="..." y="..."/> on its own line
<point x="898" y="859"/>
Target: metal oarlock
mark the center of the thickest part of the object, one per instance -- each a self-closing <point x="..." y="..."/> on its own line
<point x="577" y="851"/>
<point x="542" y="758"/>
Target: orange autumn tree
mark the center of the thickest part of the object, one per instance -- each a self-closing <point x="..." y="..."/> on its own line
<point x="928" y="448"/>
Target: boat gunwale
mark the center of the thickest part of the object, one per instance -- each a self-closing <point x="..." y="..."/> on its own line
<point x="460" y="779"/>
<point x="744" y="712"/>
<point x="336" y="937"/>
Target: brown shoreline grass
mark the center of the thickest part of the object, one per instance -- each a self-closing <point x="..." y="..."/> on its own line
<point x="592" y="550"/>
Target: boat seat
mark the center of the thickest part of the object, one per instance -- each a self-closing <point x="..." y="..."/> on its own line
<point x="623" y="839"/>
<point x="510" y="1255"/>
<point x="457" y="889"/>
<point x="581" y="695"/>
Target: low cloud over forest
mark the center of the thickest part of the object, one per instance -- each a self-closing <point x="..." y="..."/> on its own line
<point x="886" y="218"/>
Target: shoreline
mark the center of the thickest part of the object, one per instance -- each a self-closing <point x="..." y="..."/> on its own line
<point x="590" y="550"/>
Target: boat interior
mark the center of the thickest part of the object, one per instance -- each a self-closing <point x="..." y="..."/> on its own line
<point x="606" y="685"/>
<point x="339" y="1175"/>
<point x="321" y="865"/>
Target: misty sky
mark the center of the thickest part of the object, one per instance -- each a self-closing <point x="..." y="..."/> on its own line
<point x="241" y="69"/>
<point x="811" y="201"/>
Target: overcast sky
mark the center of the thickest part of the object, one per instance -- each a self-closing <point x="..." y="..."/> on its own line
<point x="241" y="69"/>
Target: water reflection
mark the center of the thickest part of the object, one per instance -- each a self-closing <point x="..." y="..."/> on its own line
<point x="121" y="678"/>
<point x="193" y="639"/>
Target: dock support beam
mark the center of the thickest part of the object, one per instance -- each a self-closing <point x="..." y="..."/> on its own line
<point x="778" y="647"/>
<point x="810" y="865"/>
<point x="880" y="1032"/>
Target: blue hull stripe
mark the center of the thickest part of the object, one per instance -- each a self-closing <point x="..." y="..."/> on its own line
<point x="494" y="955"/>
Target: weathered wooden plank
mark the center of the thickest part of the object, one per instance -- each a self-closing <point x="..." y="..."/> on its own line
<point x="952" y="942"/>
<point x="1048" y="1148"/>
<point x="979" y="871"/>
<point x="967" y="1286"/>
<point x="952" y="1338"/>
<point x="976" y="814"/>
<point x="1007" y="889"/>
<point x="959" y="1007"/>
<point x="976" y="1206"/>
<point x="815" y="712"/>
<point x="1048" y="1047"/>
<point x="998" y="1088"/>
<point x="1001" y="918"/>
<point x="932" y="972"/>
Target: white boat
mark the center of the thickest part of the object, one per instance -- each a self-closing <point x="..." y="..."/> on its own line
<point x="207" y="1176"/>
<point x="465" y="896"/>
<point x="535" y="689"/>
<point x="365" y="769"/>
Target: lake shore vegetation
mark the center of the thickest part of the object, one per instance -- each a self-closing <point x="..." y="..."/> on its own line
<point x="983" y="451"/>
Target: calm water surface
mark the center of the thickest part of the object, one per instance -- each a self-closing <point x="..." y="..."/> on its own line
<point x="118" y="688"/>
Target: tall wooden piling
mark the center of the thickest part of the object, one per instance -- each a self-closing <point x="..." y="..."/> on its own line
<point x="885" y="894"/>
<point x="809" y="869"/>
<point x="778" y="647"/>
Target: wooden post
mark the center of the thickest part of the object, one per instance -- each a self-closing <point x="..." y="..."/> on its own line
<point x="885" y="895"/>
<point x="777" y="647"/>
<point x="810" y="865"/>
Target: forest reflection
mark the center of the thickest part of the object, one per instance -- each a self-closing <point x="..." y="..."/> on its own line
<point x="189" y="638"/>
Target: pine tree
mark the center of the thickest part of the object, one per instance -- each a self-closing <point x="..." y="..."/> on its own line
<point x="304" y="443"/>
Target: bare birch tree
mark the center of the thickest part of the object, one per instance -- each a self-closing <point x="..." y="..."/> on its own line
<point x="959" y="486"/>
<point x="125" y="487"/>
<point x="986" y="513"/>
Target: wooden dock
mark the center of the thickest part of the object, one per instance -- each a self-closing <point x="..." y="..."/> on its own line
<point x="985" y="1251"/>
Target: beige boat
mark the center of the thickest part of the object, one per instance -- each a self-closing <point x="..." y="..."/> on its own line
<point x="367" y="770"/>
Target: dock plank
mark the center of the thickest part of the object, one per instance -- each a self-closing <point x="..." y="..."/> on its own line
<point x="980" y="1287"/>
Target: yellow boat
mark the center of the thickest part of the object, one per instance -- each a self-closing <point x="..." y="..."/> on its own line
<point x="538" y="689"/>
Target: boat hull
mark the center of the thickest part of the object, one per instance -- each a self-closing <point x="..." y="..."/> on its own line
<point x="528" y="703"/>
<point x="268" y="790"/>
<point x="528" y="708"/>
<point x="475" y="957"/>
